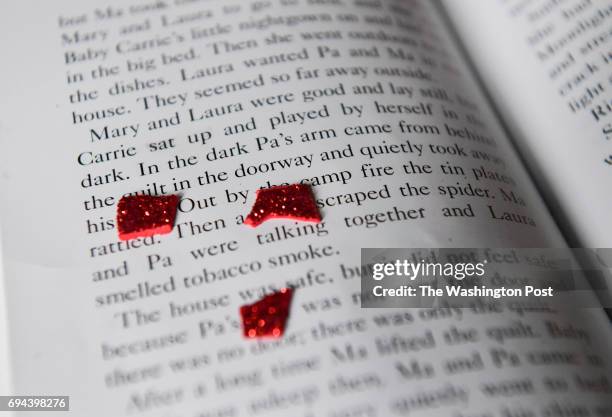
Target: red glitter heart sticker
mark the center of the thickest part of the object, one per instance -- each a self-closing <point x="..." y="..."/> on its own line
<point x="268" y="316"/>
<point x="293" y="201"/>
<point x="145" y="215"/>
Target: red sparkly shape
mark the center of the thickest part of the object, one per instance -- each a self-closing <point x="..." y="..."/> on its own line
<point x="293" y="201"/>
<point x="145" y="215"/>
<point x="268" y="316"/>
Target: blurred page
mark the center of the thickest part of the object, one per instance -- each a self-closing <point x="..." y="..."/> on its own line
<point x="547" y="65"/>
<point x="4" y="342"/>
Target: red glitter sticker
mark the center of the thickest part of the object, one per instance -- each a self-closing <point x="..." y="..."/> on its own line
<point x="268" y="316"/>
<point x="145" y="215"/>
<point x="293" y="201"/>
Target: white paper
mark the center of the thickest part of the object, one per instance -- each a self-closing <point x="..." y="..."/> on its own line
<point x="556" y="102"/>
<point x="63" y="321"/>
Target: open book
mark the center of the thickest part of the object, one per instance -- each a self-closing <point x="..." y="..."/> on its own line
<point x="462" y="123"/>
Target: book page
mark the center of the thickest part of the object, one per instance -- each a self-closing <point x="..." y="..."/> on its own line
<point x="547" y="65"/>
<point x="367" y="101"/>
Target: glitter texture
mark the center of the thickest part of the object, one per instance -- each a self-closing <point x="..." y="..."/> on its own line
<point x="294" y="202"/>
<point x="268" y="316"/>
<point x="145" y="215"/>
